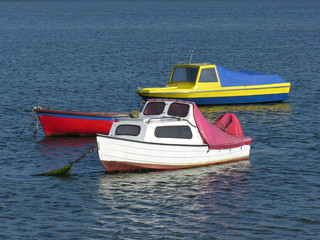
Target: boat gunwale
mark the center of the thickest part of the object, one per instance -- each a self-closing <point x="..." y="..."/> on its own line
<point x="87" y="114"/>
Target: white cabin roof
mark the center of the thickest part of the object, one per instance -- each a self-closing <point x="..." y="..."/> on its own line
<point x="161" y="121"/>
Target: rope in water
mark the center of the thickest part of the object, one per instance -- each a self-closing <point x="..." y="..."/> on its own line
<point x="65" y="171"/>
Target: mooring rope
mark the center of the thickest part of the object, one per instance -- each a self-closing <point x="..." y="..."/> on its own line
<point x="31" y="114"/>
<point x="37" y="127"/>
<point x="37" y="120"/>
<point x="65" y="171"/>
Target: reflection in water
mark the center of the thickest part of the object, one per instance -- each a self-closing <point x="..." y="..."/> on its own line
<point x="181" y="199"/>
<point x="58" y="151"/>
<point x="224" y="193"/>
<point x="79" y="142"/>
<point x="212" y="112"/>
<point x="199" y="177"/>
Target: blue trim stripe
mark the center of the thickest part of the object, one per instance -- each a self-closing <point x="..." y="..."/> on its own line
<point x="78" y="117"/>
<point x="235" y="100"/>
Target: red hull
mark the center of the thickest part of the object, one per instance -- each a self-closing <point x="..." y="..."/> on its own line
<point x="68" y="123"/>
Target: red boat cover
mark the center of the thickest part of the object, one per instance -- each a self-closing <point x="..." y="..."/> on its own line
<point x="226" y="134"/>
<point x="230" y="124"/>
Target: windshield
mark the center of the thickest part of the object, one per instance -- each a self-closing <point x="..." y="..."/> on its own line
<point x="184" y="75"/>
<point x="178" y="109"/>
<point x="154" y="108"/>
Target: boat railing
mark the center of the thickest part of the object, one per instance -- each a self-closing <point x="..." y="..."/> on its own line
<point x="165" y="117"/>
<point x="172" y="117"/>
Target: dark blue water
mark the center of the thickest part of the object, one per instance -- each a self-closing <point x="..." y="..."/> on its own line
<point x="91" y="55"/>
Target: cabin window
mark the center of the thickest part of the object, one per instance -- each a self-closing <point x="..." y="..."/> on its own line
<point x="178" y="109"/>
<point x="154" y="108"/>
<point x="173" y="132"/>
<point x="208" y="75"/>
<point x="132" y="130"/>
<point x="184" y="75"/>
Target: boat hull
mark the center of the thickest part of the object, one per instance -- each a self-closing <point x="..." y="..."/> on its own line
<point x="222" y="96"/>
<point x="68" y="123"/>
<point x="226" y="100"/>
<point x="121" y="155"/>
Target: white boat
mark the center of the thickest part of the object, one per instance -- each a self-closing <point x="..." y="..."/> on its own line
<point x="171" y="134"/>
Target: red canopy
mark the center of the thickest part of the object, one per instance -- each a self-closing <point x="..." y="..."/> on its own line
<point x="226" y="133"/>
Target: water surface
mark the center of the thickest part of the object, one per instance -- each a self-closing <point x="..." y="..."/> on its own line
<point x="91" y="56"/>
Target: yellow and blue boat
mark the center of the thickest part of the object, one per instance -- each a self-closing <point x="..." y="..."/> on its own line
<point x="205" y="84"/>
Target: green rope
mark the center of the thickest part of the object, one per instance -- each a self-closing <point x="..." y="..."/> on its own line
<point x="61" y="172"/>
<point x="65" y="171"/>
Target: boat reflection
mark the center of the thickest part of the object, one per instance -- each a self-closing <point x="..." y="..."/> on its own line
<point x="78" y="142"/>
<point x="60" y="146"/>
<point x="213" y="112"/>
<point x="201" y="184"/>
<point x="59" y="151"/>
<point x="197" y="195"/>
<point x="229" y="182"/>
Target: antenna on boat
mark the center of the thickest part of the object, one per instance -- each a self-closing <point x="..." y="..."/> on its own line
<point x="191" y="56"/>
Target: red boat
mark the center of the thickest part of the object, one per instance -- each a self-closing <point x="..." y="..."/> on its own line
<point x="70" y="123"/>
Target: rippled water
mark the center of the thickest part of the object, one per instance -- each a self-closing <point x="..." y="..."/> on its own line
<point x="91" y="55"/>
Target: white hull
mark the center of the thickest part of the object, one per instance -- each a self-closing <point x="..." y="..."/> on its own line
<point x="118" y="154"/>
